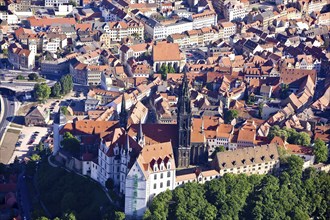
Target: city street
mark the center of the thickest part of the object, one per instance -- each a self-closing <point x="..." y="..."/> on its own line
<point x="23" y="195"/>
<point x="7" y="106"/>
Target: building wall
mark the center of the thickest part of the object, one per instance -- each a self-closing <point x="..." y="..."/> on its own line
<point x="261" y="168"/>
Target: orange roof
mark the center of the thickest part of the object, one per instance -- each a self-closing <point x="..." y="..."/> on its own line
<point x="83" y="26"/>
<point x="246" y="135"/>
<point x="298" y="149"/>
<point x="163" y="51"/>
<point x="88" y="127"/>
<point x="34" y="21"/>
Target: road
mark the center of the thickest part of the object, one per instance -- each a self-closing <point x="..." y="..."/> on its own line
<point x="26" y="86"/>
<point x="8" y="109"/>
<point x="23" y="194"/>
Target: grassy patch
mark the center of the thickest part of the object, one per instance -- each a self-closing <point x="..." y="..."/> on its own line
<point x="61" y="190"/>
<point x="16" y="126"/>
<point x="13" y="131"/>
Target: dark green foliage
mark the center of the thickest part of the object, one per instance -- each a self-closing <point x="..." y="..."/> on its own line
<point x="33" y="76"/>
<point x="250" y="100"/>
<point x="294" y="194"/>
<point x="320" y="151"/>
<point x="41" y="91"/>
<point x="119" y="216"/>
<point x="192" y="204"/>
<point x="290" y="135"/>
<point x="64" y="110"/>
<point x="56" y="90"/>
<point x="285" y="91"/>
<point x="20" y="77"/>
<point x="218" y="149"/>
<point x="70" y="196"/>
<point x="230" y="115"/>
<point x="66" y="84"/>
<point x="70" y="143"/>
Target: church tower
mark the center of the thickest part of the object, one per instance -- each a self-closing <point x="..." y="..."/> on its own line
<point x="123" y="115"/>
<point x="184" y="125"/>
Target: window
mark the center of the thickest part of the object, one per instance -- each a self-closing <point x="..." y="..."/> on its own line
<point x="168" y="174"/>
<point x="161" y="185"/>
<point x="155" y="186"/>
<point x="168" y="183"/>
<point x="161" y="176"/>
<point x="155" y="177"/>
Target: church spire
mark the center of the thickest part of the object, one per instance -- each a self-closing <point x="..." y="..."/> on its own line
<point x="123" y="115"/>
<point x="184" y="125"/>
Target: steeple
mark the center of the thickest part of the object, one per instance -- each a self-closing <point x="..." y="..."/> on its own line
<point x="184" y="125"/>
<point x="123" y="115"/>
<point x="185" y="105"/>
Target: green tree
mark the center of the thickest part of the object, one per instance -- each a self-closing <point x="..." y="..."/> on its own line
<point x="250" y="100"/>
<point x="66" y="84"/>
<point x="147" y="215"/>
<point x="260" y="109"/>
<point x="69" y="216"/>
<point x="276" y="131"/>
<point x="20" y="77"/>
<point x="171" y="68"/>
<point x="41" y="91"/>
<point x="33" y="76"/>
<point x="56" y="90"/>
<point x="119" y="216"/>
<point x="73" y="3"/>
<point x="285" y="91"/>
<point x="5" y="52"/>
<point x="320" y="151"/>
<point x="68" y="202"/>
<point x="230" y="115"/>
<point x="192" y="204"/>
<point x="64" y="110"/>
<point x="295" y="164"/>
<point x="70" y="143"/>
<point x="159" y="208"/>
<point x="299" y="214"/>
<point x="42" y="218"/>
<point x="218" y="149"/>
<point x="163" y="71"/>
<point x="35" y="157"/>
<point x="40" y="147"/>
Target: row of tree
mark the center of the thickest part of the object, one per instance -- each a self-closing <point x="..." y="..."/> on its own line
<point x="42" y="91"/>
<point x="290" y="135"/>
<point x="293" y="195"/>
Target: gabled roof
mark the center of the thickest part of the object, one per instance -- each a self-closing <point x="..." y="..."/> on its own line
<point x="247" y="156"/>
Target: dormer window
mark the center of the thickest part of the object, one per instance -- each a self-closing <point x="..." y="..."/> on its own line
<point x="272" y="156"/>
<point x="224" y="164"/>
<point x="252" y="159"/>
<point x="243" y="161"/>
<point x="155" y="168"/>
<point x="262" y="158"/>
<point x="168" y="166"/>
<point x="234" y="163"/>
